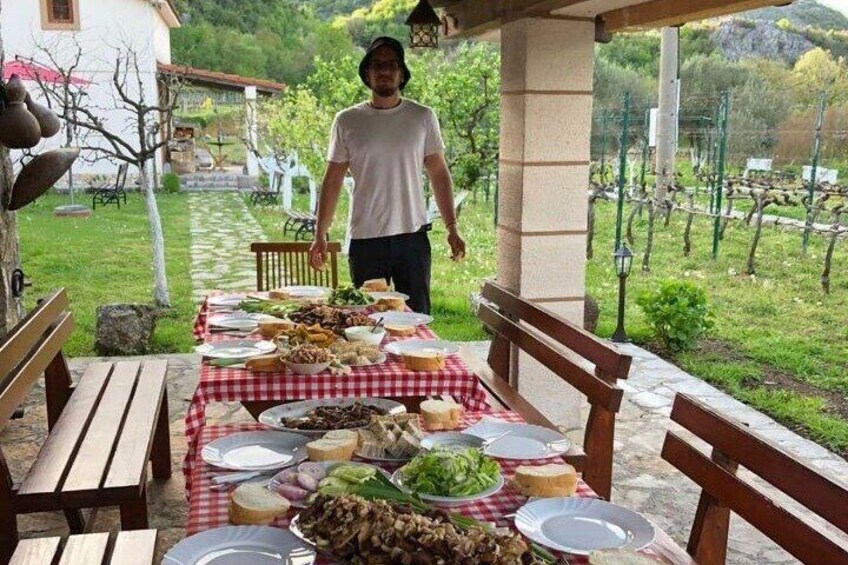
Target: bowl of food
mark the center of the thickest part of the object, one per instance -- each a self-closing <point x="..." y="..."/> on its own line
<point x="367" y="334"/>
<point x="308" y="359"/>
<point x="350" y="298"/>
<point x="451" y="441"/>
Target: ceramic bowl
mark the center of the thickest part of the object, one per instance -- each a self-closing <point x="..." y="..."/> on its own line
<point x="307" y="368"/>
<point x="365" y="335"/>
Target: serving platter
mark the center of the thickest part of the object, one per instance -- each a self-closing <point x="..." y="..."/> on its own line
<point x="235" y="545"/>
<point x="581" y="525"/>
<point x="407" y="346"/>
<point x="256" y="451"/>
<point x="519" y="441"/>
<point x="328" y="466"/>
<point x="397" y="480"/>
<point x="272" y="417"/>
<point x="238" y="320"/>
<point x="235" y="349"/>
<point x="394" y="318"/>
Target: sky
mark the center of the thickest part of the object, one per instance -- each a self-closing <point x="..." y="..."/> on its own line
<point x="841" y="5"/>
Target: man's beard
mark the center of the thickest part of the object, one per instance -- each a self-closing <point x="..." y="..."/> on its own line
<point x="385" y="91"/>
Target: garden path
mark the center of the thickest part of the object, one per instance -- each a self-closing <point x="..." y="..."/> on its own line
<point x="222" y="229"/>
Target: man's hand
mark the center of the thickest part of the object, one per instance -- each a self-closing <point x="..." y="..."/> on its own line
<point x="456" y="243"/>
<point x="318" y="253"/>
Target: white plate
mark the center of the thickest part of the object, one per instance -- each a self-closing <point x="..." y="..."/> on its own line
<point x="455" y="441"/>
<point x="238" y="545"/>
<point x="256" y="451"/>
<point x="328" y="466"/>
<point x="380" y="360"/>
<point x="307" y="291"/>
<point x="393" y="318"/>
<point x="581" y="525"/>
<point x="235" y="349"/>
<point x="406" y="346"/>
<point x="397" y="479"/>
<point x="524" y="441"/>
<point x="225" y="300"/>
<point x="272" y="417"/>
<point x="381" y="295"/>
<point x="238" y="320"/>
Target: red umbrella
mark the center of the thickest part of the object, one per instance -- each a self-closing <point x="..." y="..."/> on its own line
<point x="31" y="71"/>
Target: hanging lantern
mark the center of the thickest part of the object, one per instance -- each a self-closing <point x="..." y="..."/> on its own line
<point x="423" y="25"/>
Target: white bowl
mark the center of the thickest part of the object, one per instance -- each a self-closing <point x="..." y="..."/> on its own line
<point x="455" y="441"/>
<point x="365" y="335"/>
<point x="307" y="368"/>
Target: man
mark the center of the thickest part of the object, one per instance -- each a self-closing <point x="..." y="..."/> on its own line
<point x="385" y="142"/>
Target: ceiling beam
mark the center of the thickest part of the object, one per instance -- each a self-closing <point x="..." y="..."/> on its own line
<point x="472" y="17"/>
<point x="660" y="13"/>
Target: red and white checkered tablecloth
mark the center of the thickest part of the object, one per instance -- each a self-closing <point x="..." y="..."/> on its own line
<point x="389" y="379"/>
<point x="208" y="508"/>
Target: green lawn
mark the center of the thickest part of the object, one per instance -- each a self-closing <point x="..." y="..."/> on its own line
<point x="106" y="259"/>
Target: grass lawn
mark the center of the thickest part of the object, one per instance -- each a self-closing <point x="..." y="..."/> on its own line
<point x="106" y="259"/>
<point x="451" y="282"/>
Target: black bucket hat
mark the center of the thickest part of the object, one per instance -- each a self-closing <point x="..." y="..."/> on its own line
<point x="395" y="45"/>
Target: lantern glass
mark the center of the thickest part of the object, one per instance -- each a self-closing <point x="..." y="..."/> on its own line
<point x="623" y="261"/>
<point x="423" y="35"/>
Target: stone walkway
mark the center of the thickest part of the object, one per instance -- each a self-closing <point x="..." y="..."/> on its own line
<point x="642" y="480"/>
<point x="222" y="229"/>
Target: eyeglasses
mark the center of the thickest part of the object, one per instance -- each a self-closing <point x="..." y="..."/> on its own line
<point x="391" y="66"/>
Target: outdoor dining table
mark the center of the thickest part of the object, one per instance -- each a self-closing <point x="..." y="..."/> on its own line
<point x="208" y="507"/>
<point x="386" y="380"/>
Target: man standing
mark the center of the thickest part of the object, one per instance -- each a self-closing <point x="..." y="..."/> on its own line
<point x="387" y="143"/>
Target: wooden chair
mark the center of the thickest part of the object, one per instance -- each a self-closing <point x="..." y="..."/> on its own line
<point x="585" y="362"/>
<point x="128" y="548"/>
<point x="113" y="193"/>
<point x="724" y="491"/>
<point x="287" y="263"/>
<point x="101" y="432"/>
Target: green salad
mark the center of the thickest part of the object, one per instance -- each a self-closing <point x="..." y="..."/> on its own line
<point x="443" y="472"/>
<point x="349" y="295"/>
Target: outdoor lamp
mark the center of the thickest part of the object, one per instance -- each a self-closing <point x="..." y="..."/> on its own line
<point x="423" y="25"/>
<point x="623" y="260"/>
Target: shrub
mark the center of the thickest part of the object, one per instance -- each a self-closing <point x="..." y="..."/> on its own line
<point x="678" y="313"/>
<point x="171" y="183"/>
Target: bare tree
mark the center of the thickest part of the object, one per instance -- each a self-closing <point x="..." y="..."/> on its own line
<point x="135" y="142"/>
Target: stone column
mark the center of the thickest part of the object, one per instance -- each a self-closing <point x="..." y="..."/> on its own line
<point x="251" y="127"/>
<point x="546" y="118"/>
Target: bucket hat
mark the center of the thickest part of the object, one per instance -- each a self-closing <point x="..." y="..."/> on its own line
<point x="395" y="45"/>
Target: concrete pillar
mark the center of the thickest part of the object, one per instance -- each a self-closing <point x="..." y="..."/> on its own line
<point x="251" y="129"/>
<point x="546" y="117"/>
<point x="669" y="103"/>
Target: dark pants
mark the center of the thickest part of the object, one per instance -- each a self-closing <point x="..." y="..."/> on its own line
<point x="400" y="259"/>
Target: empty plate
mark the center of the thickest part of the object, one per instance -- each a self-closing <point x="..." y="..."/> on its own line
<point x="256" y="451"/>
<point x="235" y="349"/>
<point x="581" y="525"/>
<point x="225" y="300"/>
<point x="238" y="320"/>
<point x="237" y="545"/>
<point x="407" y="346"/>
<point x="523" y="441"/>
<point x="393" y="318"/>
<point x="305" y="291"/>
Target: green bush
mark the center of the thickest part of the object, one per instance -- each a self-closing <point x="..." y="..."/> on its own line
<point x="171" y="183"/>
<point x="678" y="313"/>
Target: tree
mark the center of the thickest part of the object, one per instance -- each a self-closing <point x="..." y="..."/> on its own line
<point x="136" y="143"/>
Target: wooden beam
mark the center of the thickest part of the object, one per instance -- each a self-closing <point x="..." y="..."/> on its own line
<point x="660" y="13"/>
<point x="473" y="17"/>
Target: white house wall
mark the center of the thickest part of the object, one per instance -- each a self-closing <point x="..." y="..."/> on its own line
<point x="105" y="25"/>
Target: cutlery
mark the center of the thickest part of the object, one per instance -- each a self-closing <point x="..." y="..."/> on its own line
<point x="492" y="440"/>
<point x="377" y="325"/>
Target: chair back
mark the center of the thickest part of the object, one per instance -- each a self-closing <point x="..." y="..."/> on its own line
<point x="121" y="179"/>
<point x="577" y="357"/>
<point x="724" y="491"/>
<point x="287" y="263"/>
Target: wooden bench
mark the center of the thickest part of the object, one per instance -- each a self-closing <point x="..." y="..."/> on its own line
<point x="302" y="223"/>
<point x="585" y="362"/>
<point x="287" y="263"/>
<point x="724" y="491"/>
<point x="128" y="548"/>
<point x="101" y="432"/>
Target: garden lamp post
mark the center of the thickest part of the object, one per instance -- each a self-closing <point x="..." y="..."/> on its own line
<point x="623" y="259"/>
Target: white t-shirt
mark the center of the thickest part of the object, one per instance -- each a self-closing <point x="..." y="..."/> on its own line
<point x="386" y="150"/>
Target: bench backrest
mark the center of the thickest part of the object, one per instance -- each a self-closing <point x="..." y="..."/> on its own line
<point x="33" y="348"/>
<point x="577" y="357"/>
<point x="723" y="491"/>
<point x="284" y="263"/>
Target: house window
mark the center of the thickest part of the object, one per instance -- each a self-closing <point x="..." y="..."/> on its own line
<point x="60" y="14"/>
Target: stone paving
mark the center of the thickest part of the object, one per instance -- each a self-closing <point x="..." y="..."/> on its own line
<point x="642" y="480"/>
<point x="222" y="229"/>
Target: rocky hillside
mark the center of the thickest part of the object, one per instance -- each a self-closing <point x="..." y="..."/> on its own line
<point x="741" y="39"/>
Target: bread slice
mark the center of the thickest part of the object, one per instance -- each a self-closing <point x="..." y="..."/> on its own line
<point x="440" y="415"/>
<point x="252" y="504"/>
<point x="279" y="294"/>
<point x="265" y="363"/>
<point x="554" y="479"/>
<point x="620" y="557"/>
<point x="348" y="437"/>
<point x="397" y="304"/>
<point x="375" y="285"/>
<point x="337" y="445"/>
<point x="400" y="331"/>
<point x="270" y="328"/>
<point x="423" y="361"/>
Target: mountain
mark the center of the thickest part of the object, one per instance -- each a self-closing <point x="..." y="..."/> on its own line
<point x="801" y="14"/>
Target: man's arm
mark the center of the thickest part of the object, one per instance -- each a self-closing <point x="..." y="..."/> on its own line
<point x="440" y="180"/>
<point x="328" y="198"/>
